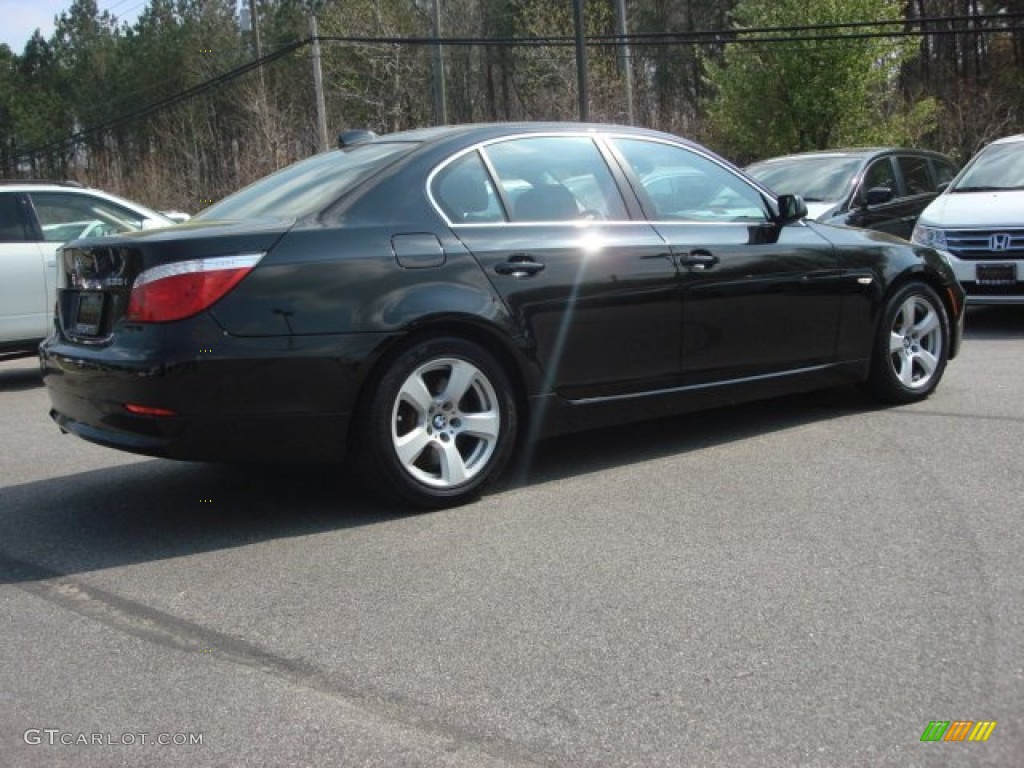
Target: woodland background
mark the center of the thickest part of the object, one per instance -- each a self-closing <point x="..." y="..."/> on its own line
<point x="183" y="106"/>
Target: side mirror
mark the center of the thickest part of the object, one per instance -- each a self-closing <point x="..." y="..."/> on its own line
<point x="791" y="208"/>
<point x="878" y="195"/>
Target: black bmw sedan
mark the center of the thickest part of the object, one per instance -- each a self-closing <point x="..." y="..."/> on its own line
<point x="428" y="301"/>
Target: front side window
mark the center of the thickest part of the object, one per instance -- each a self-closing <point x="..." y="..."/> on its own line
<point x="556" y="178"/>
<point x="67" y="216"/>
<point x="879" y="174"/>
<point x="680" y="185"/>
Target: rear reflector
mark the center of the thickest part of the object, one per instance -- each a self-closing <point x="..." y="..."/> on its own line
<point x="185" y="288"/>
<point x="148" y="410"/>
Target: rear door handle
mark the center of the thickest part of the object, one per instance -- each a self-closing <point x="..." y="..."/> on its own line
<point x="519" y="266"/>
<point x="698" y="260"/>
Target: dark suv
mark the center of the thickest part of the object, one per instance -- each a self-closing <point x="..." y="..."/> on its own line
<point x="881" y="188"/>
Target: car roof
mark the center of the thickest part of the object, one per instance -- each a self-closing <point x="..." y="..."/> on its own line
<point x="471" y="133"/>
<point x="502" y="128"/>
<point x="1010" y="139"/>
<point x="35" y="184"/>
<point x="860" y="152"/>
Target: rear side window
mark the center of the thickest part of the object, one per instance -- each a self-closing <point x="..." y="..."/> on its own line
<point x="13" y="226"/>
<point x="556" y="178"/>
<point x="466" y="194"/>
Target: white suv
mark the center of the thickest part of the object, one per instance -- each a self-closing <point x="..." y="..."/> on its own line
<point x="979" y="222"/>
<point x="35" y="219"/>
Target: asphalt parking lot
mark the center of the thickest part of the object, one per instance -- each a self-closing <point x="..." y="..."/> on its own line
<point x="808" y="581"/>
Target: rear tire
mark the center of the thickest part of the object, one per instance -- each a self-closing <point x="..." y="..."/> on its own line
<point x="440" y="424"/>
<point x="912" y="346"/>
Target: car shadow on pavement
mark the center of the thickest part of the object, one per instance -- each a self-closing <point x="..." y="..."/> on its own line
<point x="148" y="510"/>
<point x="155" y="509"/>
<point x="596" y="450"/>
<point x="19" y="373"/>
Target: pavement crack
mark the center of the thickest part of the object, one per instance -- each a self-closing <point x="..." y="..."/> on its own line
<point x="141" y="621"/>
<point x="163" y="629"/>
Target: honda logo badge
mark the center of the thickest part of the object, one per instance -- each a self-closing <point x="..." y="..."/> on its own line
<point x="999" y="242"/>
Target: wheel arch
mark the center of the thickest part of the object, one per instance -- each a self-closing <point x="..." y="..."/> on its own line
<point x="948" y="297"/>
<point x="895" y="382"/>
<point x="515" y="363"/>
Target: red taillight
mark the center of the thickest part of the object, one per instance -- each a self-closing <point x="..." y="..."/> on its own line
<point x="148" y="410"/>
<point x="184" y="288"/>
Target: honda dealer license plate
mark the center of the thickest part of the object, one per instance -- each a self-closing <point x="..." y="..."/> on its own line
<point x="997" y="274"/>
<point x="89" y="313"/>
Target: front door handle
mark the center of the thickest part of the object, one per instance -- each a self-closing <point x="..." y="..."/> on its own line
<point x="698" y="260"/>
<point x="519" y="266"/>
<point x="824" y="274"/>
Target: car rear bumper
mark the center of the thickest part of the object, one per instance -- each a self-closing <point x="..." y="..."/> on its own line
<point x="244" y="437"/>
<point x="261" y="399"/>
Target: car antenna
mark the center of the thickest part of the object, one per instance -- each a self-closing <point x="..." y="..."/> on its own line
<point x="355" y="136"/>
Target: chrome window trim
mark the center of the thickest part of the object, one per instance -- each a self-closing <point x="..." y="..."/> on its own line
<point x="492" y="173"/>
<point x="599" y="137"/>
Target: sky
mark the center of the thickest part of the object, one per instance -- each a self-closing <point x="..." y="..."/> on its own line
<point x="20" y="18"/>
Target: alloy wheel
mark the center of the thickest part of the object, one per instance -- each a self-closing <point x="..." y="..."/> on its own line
<point x="445" y="422"/>
<point x="915" y="342"/>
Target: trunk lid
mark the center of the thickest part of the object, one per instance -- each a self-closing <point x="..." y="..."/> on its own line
<point x="95" y="276"/>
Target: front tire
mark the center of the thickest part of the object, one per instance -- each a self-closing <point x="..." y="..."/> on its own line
<point x="912" y="346"/>
<point x="440" y="425"/>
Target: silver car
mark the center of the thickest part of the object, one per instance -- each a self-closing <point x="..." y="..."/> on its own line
<point x="35" y="219"/>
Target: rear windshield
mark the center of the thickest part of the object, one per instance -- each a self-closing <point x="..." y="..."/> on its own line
<point x="308" y="186"/>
